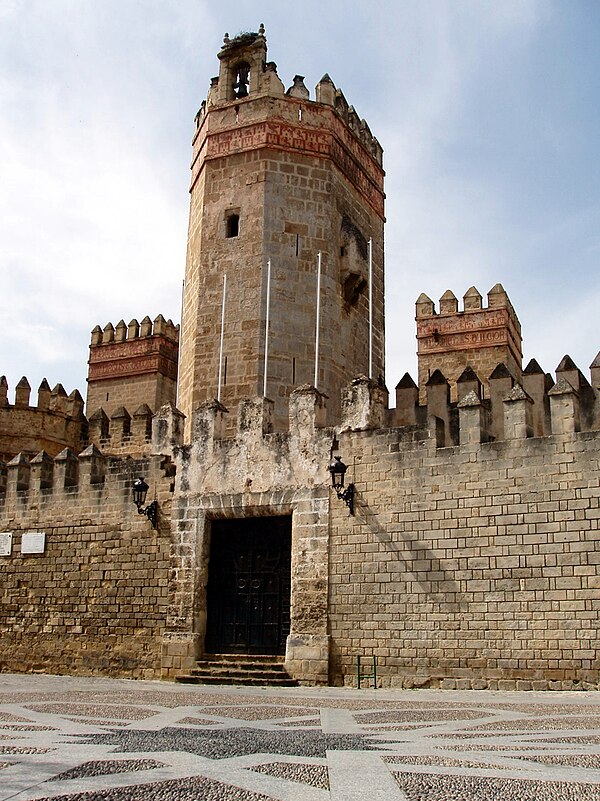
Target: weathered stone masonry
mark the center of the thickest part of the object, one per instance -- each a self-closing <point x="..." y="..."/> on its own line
<point x="256" y="473"/>
<point x="96" y="600"/>
<point x="474" y="564"/>
<point x="469" y="566"/>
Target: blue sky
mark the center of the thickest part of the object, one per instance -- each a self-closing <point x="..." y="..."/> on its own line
<point x="488" y="113"/>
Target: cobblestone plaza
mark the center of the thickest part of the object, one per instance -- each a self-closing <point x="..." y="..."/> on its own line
<point x="88" y="739"/>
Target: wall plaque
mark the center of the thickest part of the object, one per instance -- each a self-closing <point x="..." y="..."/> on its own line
<point x="33" y="542"/>
<point x="5" y="543"/>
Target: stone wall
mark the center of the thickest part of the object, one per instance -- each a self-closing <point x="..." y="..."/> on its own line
<point x="473" y="565"/>
<point x="255" y="473"/>
<point x="469" y="566"/>
<point x="55" y="423"/>
<point x="94" y="601"/>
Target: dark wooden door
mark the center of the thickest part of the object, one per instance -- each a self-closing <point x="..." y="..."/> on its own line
<point x="248" y="592"/>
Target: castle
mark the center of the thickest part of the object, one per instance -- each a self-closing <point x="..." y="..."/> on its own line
<point x="460" y="547"/>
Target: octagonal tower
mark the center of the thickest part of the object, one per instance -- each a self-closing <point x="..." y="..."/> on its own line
<point x="279" y="177"/>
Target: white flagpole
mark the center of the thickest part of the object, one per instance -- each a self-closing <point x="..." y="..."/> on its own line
<point x="267" y="328"/>
<point x="318" y="318"/>
<point x="370" y="308"/>
<point x="179" y="349"/>
<point x="222" y="332"/>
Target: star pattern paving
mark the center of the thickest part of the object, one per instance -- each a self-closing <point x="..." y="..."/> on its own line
<point x="72" y="739"/>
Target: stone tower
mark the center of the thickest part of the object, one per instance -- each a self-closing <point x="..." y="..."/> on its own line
<point x="133" y="364"/>
<point x="480" y="337"/>
<point x="277" y="176"/>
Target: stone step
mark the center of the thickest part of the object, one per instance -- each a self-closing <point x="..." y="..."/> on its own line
<point x="247" y="681"/>
<point x="262" y="658"/>
<point x="256" y="671"/>
<point x="239" y="669"/>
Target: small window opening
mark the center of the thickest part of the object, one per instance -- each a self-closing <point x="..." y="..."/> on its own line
<point x="233" y="225"/>
<point x="242" y="80"/>
<point x="225" y="372"/>
<point x="297" y="244"/>
<point x="342" y="251"/>
<point x="107" y="396"/>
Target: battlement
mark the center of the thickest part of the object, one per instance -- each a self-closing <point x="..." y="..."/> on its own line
<point x="76" y="486"/>
<point x="123" y="432"/>
<point x="211" y="462"/>
<point x="126" y="333"/>
<point x="131" y="365"/>
<point x="56" y="421"/>
<point x="508" y="406"/>
<point x="479" y="336"/>
<point x="537" y="407"/>
<point x="245" y="73"/>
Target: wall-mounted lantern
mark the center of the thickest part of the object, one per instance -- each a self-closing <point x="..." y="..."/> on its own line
<point x="338" y="470"/>
<point x="140" y="490"/>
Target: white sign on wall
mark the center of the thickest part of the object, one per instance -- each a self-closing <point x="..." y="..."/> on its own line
<point x="33" y="542"/>
<point x="5" y="543"/>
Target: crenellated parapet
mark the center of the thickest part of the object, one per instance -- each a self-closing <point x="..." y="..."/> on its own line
<point x="327" y="127"/>
<point x="479" y="336"/>
<point x="124" y="432"/>
<point x="55" y="422"/>
<point x="131" y="365"/>
<point x="91" y="485"/>
<point x="245" y="71"/>
<point x="267" y="460"/>
<point x="501" y="406"/>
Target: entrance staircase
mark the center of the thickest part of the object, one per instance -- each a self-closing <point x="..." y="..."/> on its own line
<point x="239" y="669"/>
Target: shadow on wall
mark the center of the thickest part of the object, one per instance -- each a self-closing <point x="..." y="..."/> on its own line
<point x="427" y="570"/>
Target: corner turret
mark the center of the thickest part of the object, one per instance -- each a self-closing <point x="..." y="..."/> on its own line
<point x="132" y="364"/>
<point x="478" y="337"/>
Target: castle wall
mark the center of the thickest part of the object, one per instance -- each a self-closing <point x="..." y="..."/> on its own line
<point x="95" y="600"/>
<point x="256" y="473"/>
<point x="469" y="566"/>
<point x="56" y="422"/>
<point x="472" y="566"/>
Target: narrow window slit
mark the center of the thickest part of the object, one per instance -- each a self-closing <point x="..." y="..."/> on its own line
<point x="233" y="226"/>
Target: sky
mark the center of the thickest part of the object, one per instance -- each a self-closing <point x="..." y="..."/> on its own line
<point x="488" y="113"/>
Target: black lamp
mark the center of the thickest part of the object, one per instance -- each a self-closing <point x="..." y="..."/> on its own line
<point x="140" y="490"/>
<point x="338" y="470"/>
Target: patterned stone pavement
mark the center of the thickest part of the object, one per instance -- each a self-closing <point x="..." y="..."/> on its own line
<point x="76" y="739"/>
